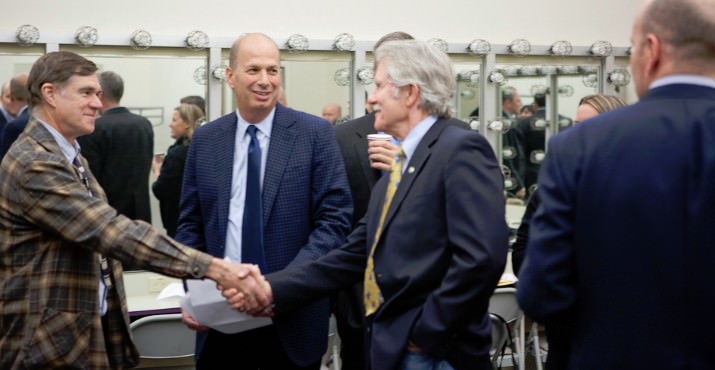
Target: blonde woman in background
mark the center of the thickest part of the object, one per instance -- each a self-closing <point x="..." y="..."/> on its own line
<point x="170" y="169"/>
<point x="593" y="105"/>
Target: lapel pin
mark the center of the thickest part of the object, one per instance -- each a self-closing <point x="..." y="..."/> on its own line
<point x="410" y="169"/>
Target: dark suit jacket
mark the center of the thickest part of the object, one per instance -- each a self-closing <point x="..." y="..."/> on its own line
<point x="352" y="138"/>
<point x="306" y="208"/>
<point x="52" y="232"/>
<point x="440" y="256"/>
<point x="120" y="152"/>
<point x="167" y="187"/>
<point x="3" y="123"/>
<point x="531" y="140"/>
<point x="622" y="245"/>
<point x="12" y="131"/>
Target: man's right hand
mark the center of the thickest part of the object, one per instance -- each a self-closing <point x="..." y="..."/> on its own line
<point x="191" y="323"/>
<point x="381" y="154"/>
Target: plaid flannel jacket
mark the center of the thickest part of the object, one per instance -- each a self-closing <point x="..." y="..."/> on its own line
<point x="51" y="231"/>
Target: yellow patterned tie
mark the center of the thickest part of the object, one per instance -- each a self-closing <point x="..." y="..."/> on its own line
<point x="372" y="298"/>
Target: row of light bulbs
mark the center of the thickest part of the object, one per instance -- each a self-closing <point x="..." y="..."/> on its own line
<point x="28" y="35"/>
<point x="86" y="36"/>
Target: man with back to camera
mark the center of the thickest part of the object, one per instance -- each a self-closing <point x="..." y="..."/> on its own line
<point x="621" y="247"/>
<point x="433" y="242"/>
<point x="294" y="208"/>
<point x="120" y="152"/>
<point x="62" y="302"/>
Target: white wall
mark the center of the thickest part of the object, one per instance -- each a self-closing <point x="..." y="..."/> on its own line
<point x="540" y="21"/>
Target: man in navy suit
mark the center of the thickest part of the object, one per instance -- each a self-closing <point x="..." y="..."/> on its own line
<point x="306" y="205"/>
<point x="621" y="248"/>
<point x="441" y="245"/>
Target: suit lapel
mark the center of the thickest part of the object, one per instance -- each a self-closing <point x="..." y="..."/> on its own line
<point x="279" y="152"/>
<point x="414" y="168"/>
<point x="223" y="168"/>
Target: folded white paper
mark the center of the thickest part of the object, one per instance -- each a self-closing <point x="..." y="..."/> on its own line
<point x="173" y="290"/>
<point x="206" y="305"/>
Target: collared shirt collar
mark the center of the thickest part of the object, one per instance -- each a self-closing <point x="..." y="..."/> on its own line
<point x="70" y="151"/>
<point x="683" y="79"/>
<point x="7" y="115"/>
<point x="112" y="108"/>
<point x="413" y="138"/>
<point x="22" y="110"/>
<point x="265" y="126"/>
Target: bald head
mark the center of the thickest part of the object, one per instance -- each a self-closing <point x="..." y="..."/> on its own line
<point x="686" y="28"/>
<point x="254" y="75"/>
<point x="672" y="37"/>
<point x="255" y="38"/>
<point x="332" y="112"/>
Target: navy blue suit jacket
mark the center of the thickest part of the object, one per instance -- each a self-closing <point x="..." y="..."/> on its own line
<point x="438" y="260"/>
<point x="12" y="131"/>
<point x="306" y="208"/>
<point x="622" y="246"/>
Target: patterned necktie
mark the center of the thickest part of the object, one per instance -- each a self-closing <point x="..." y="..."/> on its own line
<point x="252" y="231"/>
<point x="103" y="263"/>
<point x="372" y="297"/>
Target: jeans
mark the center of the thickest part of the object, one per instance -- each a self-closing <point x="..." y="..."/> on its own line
<point x="419" y="361"/>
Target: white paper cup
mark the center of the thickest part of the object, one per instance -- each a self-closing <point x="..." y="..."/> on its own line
<point x="379" y="137"/>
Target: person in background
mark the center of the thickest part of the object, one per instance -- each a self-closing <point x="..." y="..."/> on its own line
<point x="62" y="296"/>
<point x="526" y="111"/>
<point x="196" y="100"/>
<point x="120" y="151"/>
<point x="169" y="169"/>
<point x="620" y="249"/>
<point x="332" y="113"/>
<point x="533" y="140"/>
<point x="511" y="102"/>
<point x="5" y="115"/>
<point x="18" y="108"/>
<point x="266" y="185"/>
<point x="557" y="336"/>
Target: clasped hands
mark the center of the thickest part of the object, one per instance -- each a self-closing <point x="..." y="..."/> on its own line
<point x="246" y="290"/>
<point x="243" y="286"/>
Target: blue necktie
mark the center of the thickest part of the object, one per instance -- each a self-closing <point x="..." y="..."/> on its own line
<point x="252" y="231"/>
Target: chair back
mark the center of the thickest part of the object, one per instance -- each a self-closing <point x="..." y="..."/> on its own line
<point x="162" y="337"/>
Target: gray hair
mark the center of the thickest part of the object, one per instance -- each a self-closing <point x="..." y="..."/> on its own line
<point x="412" y="62"/>
<point x="112" y="86"/>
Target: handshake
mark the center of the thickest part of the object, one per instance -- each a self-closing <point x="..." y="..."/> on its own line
<point x="244" y="287"/>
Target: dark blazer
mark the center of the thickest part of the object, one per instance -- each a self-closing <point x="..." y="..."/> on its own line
<point x="440" y="256"/>
<point x="52" y="233"/>
<point x="120" y="152"/>
<point x="621" y="247"/>
<point x="352" y="138"/>
<point x="167" y="187"/>
<point x="306" y="208"/>
<point x="3" y="123"/>
<point x="530" y="140"/>
<point x="12" y="131"/>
